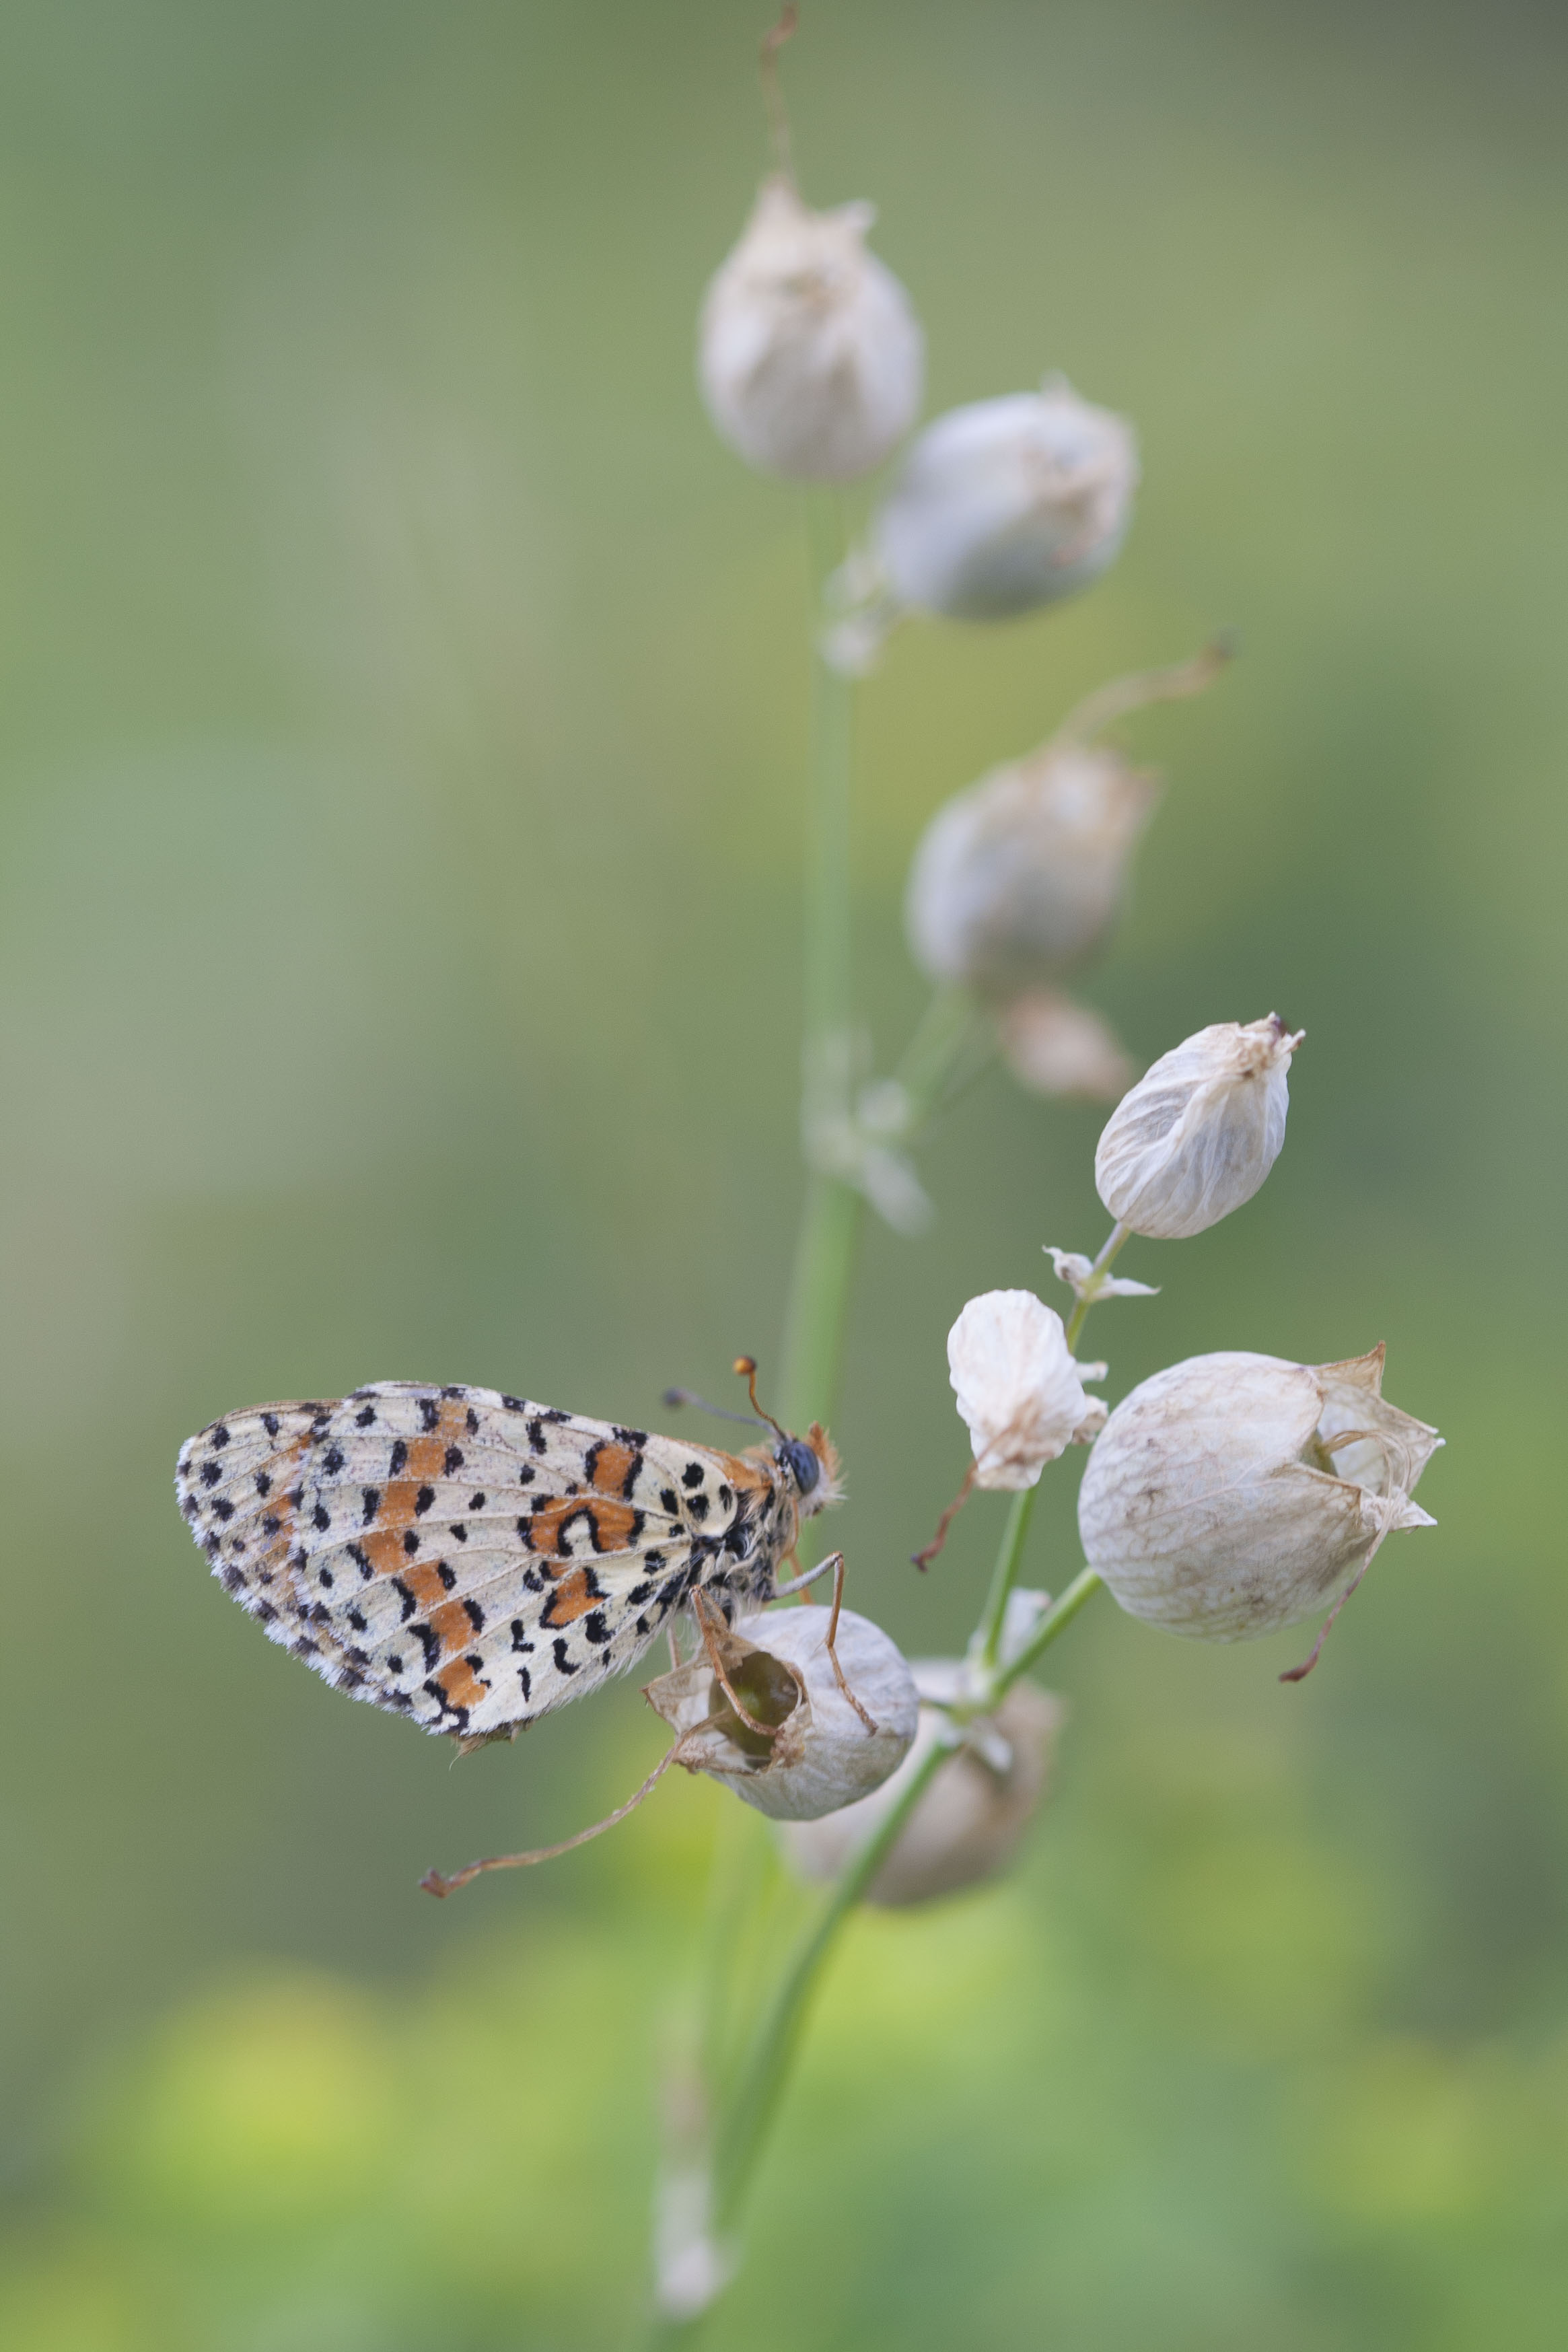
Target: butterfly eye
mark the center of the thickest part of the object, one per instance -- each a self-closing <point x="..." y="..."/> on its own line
<point x="800" y="1462"/>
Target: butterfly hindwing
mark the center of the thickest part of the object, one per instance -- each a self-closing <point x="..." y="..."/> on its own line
<point x="467" y="1557"/>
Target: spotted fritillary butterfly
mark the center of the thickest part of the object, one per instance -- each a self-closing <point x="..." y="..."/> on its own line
<point x="471" y="1559"/>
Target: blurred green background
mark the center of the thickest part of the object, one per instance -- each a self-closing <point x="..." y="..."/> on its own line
<point x="400" y="737"/>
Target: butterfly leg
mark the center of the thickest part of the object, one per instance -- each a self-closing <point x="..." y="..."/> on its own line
<point x="922" y="1559"/>
<point x="704" y="1626"/>
<point x="812" y="1576"/>
<point x="836" y="1562"/>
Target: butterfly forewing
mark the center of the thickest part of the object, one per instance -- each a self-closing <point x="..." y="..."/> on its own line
<point x="470" y="1559"/>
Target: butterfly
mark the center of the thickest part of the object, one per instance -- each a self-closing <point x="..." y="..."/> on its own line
<point x="471" y="1559"/>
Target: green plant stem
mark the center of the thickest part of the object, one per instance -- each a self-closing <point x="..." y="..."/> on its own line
<point x="987" y="1647"/>
<point x="1084" y="1586"/>
<point x="829" y="972"/>
<point x="819" y="1283"/>
<point x="818" y="1301"/>
<point x="1003" y="1577"/>
<point x="943" y="1039"/>
<point x="1101" y="1266"/>
<point x="743" y="2128"/>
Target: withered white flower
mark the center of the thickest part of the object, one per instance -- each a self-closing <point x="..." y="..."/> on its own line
<point x="1062" y="1050"/>
<point x="810" y="357"/>
<point x="1234" y="1493"/>
<point x="968" y="1824"/>
<point x="1199" y="1132"/>
<point x="1006" y="504"/>
<point x="1078" y="1272"/>
<point x="815" y="1751"/>
<point x="1017" y="1387"/>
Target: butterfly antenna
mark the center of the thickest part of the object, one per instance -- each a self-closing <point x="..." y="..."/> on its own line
<point x="746" y="1365"/>
<point x="690" y="1396"/>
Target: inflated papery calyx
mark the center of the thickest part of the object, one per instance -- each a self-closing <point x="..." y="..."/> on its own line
<point x="1234" y="1493"/>
<point x="1019" y="878"/>
<point x="1199" y="1132"/>
<point x="810" y="357"/>
<point x="1007" y="504"/>
<point x="968" y="1824"/>
<point x="807" y="1749"/>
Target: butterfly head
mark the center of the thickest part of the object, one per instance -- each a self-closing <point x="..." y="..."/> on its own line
<point x="811" y="1465"/>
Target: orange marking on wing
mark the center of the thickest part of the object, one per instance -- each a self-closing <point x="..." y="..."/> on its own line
<point x="611" y="1523"/>
<point x="544" y="1523"/>
<point x="459" y="1685"/>
<point x="613" y="1465"/>
<point x="424" y="1581"/>
<point x="382" y="1547"/>
<point x="452" y="1625"/>
<point x="571" y="1600"/>
<point x="427" y="1454"/>
<point x="426" y="1461"/>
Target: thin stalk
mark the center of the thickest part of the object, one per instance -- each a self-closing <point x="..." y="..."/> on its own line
<point x="1009" y="1558"/>
<point x="1084" y="1586"/>
<point x="943" y="1038"/>
<point x="1124" y="694"/>
<point x="828" y="894"/>
<point x="1101" y="1266"/>
<point x="743" y="2128"/>
<point x="818" y="1301"/>
<point x="819" y="1284"/>
<point x="1003" y="1577"/>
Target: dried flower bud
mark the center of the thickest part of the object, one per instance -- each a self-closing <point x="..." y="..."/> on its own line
<point x="1017" y="1387"/>
<point x="1200" y="1130"/>
<point x="1020" y="877"/>
<point x="1062" y="1050"/>
<point x="1233" y="1494"/>
<point x="810" y="357"/>
<point x="820" y="1754"/>
<point x="968" y="1824"/>
<point x="1007" y="504"/>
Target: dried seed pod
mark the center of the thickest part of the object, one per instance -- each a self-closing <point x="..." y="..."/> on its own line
<point x="810" y="357"/>
<point x="1006" y="504"/>
<point x="968" y="1824"/>
<point x="815" y="1752"/>
<point x="1200" y="1130"/>
<point x="1017" y="1387"/>
<point x="1234" y="1493"/>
